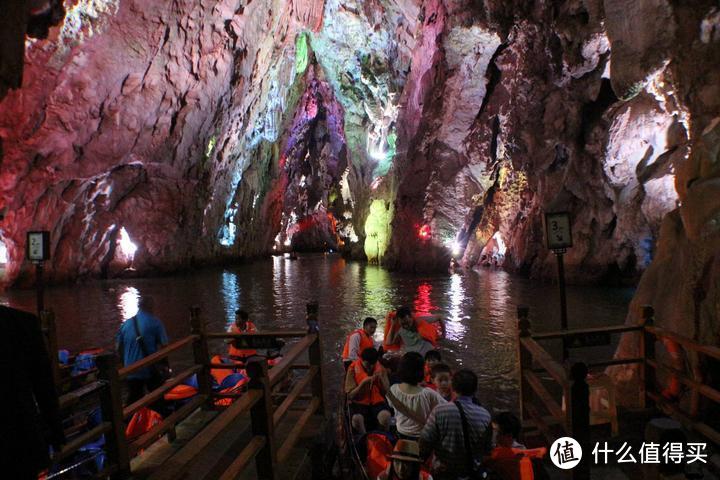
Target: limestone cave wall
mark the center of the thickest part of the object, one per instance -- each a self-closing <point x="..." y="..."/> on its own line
<point x="152" y="136"/>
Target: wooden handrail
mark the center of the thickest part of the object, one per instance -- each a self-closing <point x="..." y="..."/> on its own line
<point x="615" y="361"/>
<point x="71" y="398"/>
<point x="172" y="468"/>
<point x="166" y="425"/>
<point x="546" y="361"/>
<point x="703" y="389"/>
<point x="580" y="331"/>
<point x="688" y="422"/>
<point x="550" y="404"/>
<point x="297" y="389"/>
<point x="264" y="333"/>
<point x="246" y="455"/>
<point x="685" y="342"/>
<point x="294" y="434"/>
<point x="156" y="394"/>
<point x="79" y="441"/>
<point x="157" y="356"/>
<point x="279" y="370"/>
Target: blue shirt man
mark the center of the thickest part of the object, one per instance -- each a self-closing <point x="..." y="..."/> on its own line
<point x="152" y="331"/>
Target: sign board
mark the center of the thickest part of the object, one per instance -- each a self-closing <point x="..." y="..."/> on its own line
<point x="594" y="339"/>
<point x="557" y="230"/>
<point x="38" y="246"/>
<point x="252" y="341"/>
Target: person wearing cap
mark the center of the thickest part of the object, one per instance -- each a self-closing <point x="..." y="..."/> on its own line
<point x="242" y="324"/>
<point x="405" y="463"/>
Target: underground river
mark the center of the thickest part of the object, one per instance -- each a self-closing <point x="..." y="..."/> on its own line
<point x="480" y="308"/>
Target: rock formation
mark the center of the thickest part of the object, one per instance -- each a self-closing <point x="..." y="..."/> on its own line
<point x="151" y="136"/>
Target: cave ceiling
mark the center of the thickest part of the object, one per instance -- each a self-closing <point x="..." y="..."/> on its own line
<point x="151" y="136"/>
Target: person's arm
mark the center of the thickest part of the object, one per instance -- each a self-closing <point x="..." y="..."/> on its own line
<point x="394" y="334"/>
<point x="352" y="389"/>
<point x="429" y="436"/>
<point x="435" y="319"/>
<point x="404" y="409"/>
<point x="353" y="353"/>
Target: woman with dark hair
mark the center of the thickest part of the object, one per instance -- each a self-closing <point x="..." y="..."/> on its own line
<point x="412" y="403"/>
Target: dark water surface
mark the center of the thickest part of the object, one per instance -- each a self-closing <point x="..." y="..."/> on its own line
<point x="480" y="308"/>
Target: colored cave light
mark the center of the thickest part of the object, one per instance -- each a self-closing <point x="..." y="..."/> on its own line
<point x="288" y="242"/>
<point x="377" y="230"/>
<point x="210" y="146"/>
<point x="501" y="248"/>
<point x="423" y="304"/>
<point x="424" y="232"/>
<point x="127" y="246"/>
<point x="301" y="53"/>
<point x="227" y="233"/>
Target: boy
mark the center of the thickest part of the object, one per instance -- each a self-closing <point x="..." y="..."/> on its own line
<point x="510" y="459"/>
<point x="432" y="358"/>
<point x="442" y="381"/>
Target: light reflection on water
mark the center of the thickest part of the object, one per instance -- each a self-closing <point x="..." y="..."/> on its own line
<point x="480" y="308"/>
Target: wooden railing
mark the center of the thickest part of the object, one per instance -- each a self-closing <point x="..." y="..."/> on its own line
<point x="571" y="382"/>
<point x="257" y="406"/>
<point x="257" y="402"/>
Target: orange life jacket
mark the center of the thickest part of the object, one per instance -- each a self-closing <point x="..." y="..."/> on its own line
<point x="429" y="332"/>
<point x="219" y="374"/>
<point x="365" y="342"/>
<point x="180" y="392"/>
<point x="379" y="448"/>
<point x="515" y="463"/>
<point x="371" y="396"/>
<point x="142" y="422"/>
<point x="237" y="352"/>
<point x="428" y="376"/>
<point x="673" y="388"/>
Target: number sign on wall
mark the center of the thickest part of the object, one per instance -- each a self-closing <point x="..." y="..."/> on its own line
<point x="38" y="246"/>
<point x="557" y="230"/>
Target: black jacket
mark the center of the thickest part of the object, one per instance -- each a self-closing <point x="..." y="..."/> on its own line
<point x="29" y="416"/>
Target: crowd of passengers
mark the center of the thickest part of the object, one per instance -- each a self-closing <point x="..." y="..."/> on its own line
<point x="414" y="417"/>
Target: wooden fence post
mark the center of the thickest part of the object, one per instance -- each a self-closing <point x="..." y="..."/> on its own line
<point x="47" y="321"/>
<point x="112" y="411"/>
<point x="201" y="353"/>
<point x="579" y="418"/>
<point x="524" y="358"/>
<point x="315" y="357"/>
<point x="647" y="346"/>
<point x="261" y="415"/>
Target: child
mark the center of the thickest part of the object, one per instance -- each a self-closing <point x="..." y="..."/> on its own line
<point x="510" y="459"/>
<point x="442" y="381"/>
<point x="432" y="357"/>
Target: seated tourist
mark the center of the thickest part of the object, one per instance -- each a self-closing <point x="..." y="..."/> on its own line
<point x="510" y="460"/>
<point x="405" y="463"/>
<point x="365" y="386"/>
<point x="442" y="381"/>
<point x="359" y="340"/>
<point x="432" y="357"/>
<point x="444" y="436"/>
<point x="412" y="402"/>
<point x="242" y="324"/>
<point x="411" y="333"/>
